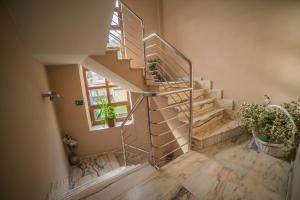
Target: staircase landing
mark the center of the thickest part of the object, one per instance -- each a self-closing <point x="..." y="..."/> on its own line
<point x="232" y="172"/>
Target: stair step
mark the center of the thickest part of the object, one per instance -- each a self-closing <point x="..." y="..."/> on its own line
<point x="179" y="97"/>
<point x="198" y="105"/>
<point x="202" y="118"/>
<point x="103" y="182"/>
<point x="205" y="84"/>
<point x="171" y="85"/>
<point x="215" y="132"/>
<point x="122" y="185"/>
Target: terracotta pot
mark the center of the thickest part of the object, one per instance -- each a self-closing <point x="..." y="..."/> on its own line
<point x="111" y="123"/>
<point x="276" y="150"/>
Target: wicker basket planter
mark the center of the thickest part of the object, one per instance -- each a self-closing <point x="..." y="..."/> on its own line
<point x="276" y="150"/>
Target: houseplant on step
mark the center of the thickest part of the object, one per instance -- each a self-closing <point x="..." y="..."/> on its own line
<point x="272" y="127"/>
<point x="107" y="113"/>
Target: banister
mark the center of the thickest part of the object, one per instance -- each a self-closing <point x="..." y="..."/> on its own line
<point x="174" y="53"/>
<point x="131" y="11"/>
<point x="134" y="107"/>
<point x="157" y="94"/>
<point x="152" y="35"/>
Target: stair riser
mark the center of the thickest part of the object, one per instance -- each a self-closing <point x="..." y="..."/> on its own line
<point x="207" y="142"/>
<point x="199" y="123"/>
<point x="205" y="84"/>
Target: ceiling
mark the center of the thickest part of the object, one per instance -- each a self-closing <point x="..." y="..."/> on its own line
<point x="62" y="31"/>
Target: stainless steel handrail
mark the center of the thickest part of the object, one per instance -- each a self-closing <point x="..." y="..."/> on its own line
<point x="131" y="11"/>
<point x="134" y="107"/>
<point x="165" y="53"/>
<point x="157" y="94"/>
<point x="152" y="35"/>
<point x="170" y="142"/>
<point x="169" y="131"/>
<point x="148" y="95"/>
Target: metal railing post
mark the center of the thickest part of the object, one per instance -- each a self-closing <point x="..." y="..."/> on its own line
<point x="123" y="148"/>
<point x="149" y="131"/>
<point x="191" y="107"/>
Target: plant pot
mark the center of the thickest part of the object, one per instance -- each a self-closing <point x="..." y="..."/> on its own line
<point x="111" y="123"/>
<point x="276" y="150"/>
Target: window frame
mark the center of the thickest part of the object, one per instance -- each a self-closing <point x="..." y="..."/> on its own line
<point x="119" y="27"/>
<point x="107" y="86"/>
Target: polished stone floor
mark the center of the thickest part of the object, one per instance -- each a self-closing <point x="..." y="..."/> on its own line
<point x="232" y="170"/>
<point x="236" y="171"/>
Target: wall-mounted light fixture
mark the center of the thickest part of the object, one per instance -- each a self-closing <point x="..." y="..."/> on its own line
<point x="53" y="96"/>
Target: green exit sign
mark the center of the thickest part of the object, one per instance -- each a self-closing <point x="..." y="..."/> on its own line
<point x="79" y="102"/>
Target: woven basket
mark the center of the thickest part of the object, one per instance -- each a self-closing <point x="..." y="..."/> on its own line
<point x="276" y="150"/>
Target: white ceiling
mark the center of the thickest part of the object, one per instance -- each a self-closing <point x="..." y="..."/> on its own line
<point x="62" y="31"/>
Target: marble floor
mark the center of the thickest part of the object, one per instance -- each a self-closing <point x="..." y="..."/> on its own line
<point x="234" y="170"/>
<point x="91" y="167"/>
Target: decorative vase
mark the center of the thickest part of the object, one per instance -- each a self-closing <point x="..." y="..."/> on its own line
<point x="74" y="159"/>
<point x="276" y="150"/>
<point x="111" y="123"/>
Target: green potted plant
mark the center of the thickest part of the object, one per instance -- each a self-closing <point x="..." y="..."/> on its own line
<point x="272" y="127"/>
<point x="107" y="113"/>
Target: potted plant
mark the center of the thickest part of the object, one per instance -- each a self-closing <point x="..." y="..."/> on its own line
<point x="294" y="110"/>
<point x="107" y="113"/>
<point x="272" y="127"/>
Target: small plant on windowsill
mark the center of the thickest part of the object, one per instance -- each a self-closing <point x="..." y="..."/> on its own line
<point x="107" y="113"/>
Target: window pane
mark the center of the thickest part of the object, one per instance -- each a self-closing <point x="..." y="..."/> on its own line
<point x="121" y="111"/>
<point x="96" y="95"/>
<point x="115" y="19"/>
<point x="94" y="79"/>
<point x="117" y="94"/>
<point x="117" y="4"/>
<point x="114" y="38"/>
<point x="98" y="116"/>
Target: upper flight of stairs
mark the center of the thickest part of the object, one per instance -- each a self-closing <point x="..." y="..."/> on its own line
<point x="210" y="110"/>
<point x="117" y="70"/>
<point x="212" y="115"/>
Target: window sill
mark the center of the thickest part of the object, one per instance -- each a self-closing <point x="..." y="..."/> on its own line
<point x="104" y="127"/>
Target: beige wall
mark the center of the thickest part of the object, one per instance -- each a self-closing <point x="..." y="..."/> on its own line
<point x="149" y="11"/>
<point x="248" y="48"/>
<point x="65" y="79"/>
<point x="32" y="154"/>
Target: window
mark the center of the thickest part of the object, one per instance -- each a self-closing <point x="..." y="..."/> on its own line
<point x="116" y="35"/>
<point x="98" y="88"/>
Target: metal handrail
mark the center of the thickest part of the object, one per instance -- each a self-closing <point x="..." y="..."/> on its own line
<point x="148" y="95"/>
<point x="131" y="11"/>
<point x="157" y="94"/>
<point x="134" y="107"/>
<point x="152" y="35"/>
